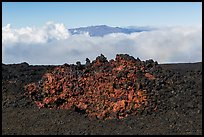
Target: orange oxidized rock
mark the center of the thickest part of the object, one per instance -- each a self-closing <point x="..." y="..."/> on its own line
<point x="149" y="76"/>
<point x="103" y="89"/>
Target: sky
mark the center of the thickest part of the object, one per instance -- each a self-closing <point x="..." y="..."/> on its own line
<point x="37" y="33"/>
<point x="78" y="14"/>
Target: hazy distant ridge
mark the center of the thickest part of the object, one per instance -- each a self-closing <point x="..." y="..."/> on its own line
<point x="102" y="30"/>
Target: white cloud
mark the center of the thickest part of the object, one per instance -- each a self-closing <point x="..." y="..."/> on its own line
<point x="50" y="31"/>
<point x="53" y="44"/>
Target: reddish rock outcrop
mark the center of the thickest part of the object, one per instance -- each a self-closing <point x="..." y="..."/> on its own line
<point x="101" y="89"/>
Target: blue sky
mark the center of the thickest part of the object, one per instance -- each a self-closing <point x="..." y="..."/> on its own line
<point x="177" y="39"/>
<point x="78" y="14"/>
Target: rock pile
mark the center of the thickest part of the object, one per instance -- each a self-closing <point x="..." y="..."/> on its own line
<point x="101" y="89"/>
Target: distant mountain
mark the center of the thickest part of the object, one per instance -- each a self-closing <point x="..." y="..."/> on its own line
<point x="102" y="30"/>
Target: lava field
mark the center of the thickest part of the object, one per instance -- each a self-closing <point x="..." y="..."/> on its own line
<point x="120" y="96"/>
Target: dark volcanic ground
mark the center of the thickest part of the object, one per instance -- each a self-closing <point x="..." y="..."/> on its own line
<point x="180" y="111"/>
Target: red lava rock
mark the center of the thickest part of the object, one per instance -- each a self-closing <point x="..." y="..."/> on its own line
<point x="102" y="89"/>
<point x="149" y="76"/>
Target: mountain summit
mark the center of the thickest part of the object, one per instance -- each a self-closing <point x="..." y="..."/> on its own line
<point x="101" y="30"/>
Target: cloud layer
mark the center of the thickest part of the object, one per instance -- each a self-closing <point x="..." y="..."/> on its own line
<point x="53" y="44"/>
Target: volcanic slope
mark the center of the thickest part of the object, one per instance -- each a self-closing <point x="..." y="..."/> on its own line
<point x="179" y="108"/>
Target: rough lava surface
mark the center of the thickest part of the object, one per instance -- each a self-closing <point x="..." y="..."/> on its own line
<point x="121" y="96"/>
<point x="101" y="89"/>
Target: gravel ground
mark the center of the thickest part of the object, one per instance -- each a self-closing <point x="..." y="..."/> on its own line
<point x="179" y="112"/>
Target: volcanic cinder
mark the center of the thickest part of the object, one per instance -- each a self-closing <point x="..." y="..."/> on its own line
<point x="100" y="89"/>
